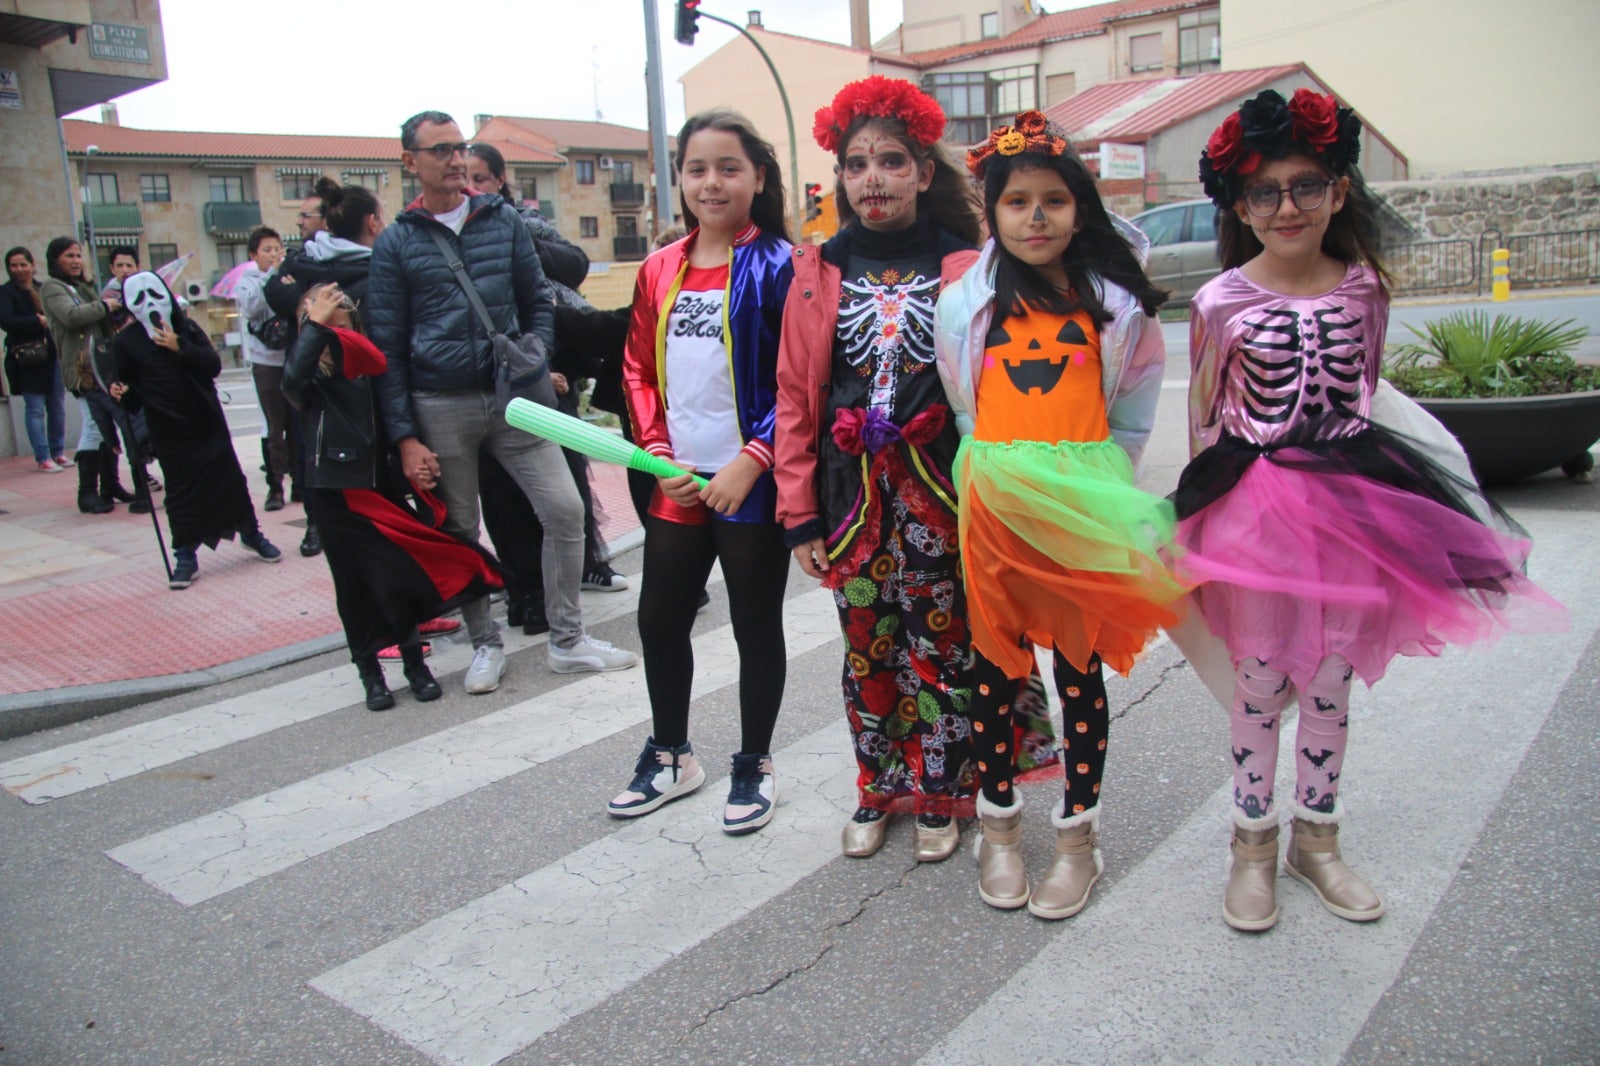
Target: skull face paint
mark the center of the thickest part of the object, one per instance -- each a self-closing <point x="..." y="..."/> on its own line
<point x="881" y="179"/>
<point x="147" y="299"/>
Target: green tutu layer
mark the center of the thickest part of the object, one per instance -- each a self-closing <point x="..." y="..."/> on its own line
<point x="1073" y="502"/>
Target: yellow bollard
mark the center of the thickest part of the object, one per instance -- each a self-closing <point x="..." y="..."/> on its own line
<point x="1501" y="289"/>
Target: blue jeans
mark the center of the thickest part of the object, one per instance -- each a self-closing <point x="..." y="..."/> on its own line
<point x="40" y="406"/>
<point x="89" y="437"/>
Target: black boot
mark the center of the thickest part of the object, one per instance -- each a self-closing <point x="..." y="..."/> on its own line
<point x="110" y="480"/>
<point x="379" y="698"/>
<point x="274" y="501"/>
<point x="423" y="685"/>
<point x="266" y="457"/>
<point x="89" y="501"/>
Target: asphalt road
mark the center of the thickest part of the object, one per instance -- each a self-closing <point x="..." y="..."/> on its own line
<point x="265" y="872"/>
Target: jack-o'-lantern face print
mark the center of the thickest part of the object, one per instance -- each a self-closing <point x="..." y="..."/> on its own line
<point x="1028" y="363"/>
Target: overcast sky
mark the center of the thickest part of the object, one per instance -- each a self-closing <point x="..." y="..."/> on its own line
<point x="360" y="67"/>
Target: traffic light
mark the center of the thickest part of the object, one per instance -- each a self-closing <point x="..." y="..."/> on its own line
<point x="813" y="201"/>
<point x="688" y="21"/>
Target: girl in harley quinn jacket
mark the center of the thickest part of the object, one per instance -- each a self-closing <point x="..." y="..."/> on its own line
<point x="700" y="370"/>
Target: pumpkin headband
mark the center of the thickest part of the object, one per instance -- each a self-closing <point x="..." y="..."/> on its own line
<point x="879" y="97"/>
<point x="1029" y="132"/>
<point x="1268" y="127"/>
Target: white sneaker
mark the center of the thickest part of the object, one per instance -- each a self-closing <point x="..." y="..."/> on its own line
<point x="488" y="663"/>
<point x="590" y="655"/>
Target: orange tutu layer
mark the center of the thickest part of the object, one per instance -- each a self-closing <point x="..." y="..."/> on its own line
<point x="1059" y="548"/>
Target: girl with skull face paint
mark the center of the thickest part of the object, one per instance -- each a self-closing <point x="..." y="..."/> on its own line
<point x="170" y="368"/>
<point x="1051" y="358"/>
<point x="1309" y="579"/>
<point x="865" y="442"/>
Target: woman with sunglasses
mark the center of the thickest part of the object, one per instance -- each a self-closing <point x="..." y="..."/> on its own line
<point x="1326" y="544"/>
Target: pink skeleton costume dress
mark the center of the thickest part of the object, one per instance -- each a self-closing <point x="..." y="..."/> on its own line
<point x="1326" y="543"/>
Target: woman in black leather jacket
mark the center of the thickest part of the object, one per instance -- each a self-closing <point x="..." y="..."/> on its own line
<point x="392" y="567"/>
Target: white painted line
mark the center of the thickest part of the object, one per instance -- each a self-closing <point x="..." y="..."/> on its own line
<point x="221" y="851"/>
<point x="87" y="764"/>
<point x="493" y="976"/>
<point x="1149" y="972"/>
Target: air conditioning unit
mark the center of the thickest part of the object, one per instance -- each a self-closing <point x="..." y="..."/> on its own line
<point x="606" y="162"/>
<point x="194" y="290"/>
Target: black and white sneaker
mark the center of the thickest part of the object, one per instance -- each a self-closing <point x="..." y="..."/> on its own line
<point x="752" y="794"/>
<point x="258" y="543"/>
<point x="604" y="579"/>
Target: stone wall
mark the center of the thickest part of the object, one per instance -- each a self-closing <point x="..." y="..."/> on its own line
<point x="1545" y="201"/>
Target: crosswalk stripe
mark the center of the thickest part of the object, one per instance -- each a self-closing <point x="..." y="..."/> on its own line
<point x="1309" y="985"/>
<point x="114" y="756"/>
<point x="492" y="976"/>
<point x="204" y="858"/>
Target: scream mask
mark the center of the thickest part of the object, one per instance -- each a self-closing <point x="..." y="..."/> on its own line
<point x="147" y="298"/>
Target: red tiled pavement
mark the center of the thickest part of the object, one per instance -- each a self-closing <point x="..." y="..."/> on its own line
<point x="84" y="601"/>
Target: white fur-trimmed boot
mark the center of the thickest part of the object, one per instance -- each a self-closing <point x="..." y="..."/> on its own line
<point x="1002" y="877"/>
<point x="1077" y="866"/>
<point x="1313" y="859"/>
<point x="1251" y="900"/>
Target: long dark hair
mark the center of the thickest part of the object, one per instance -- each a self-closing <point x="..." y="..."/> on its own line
<point x="345" y="208"/>
<point x="1096" y="249"/>
<point x="497" y="169"/>
<point x="949" y="200"/>
<point x="767" y="209"/>
<point x="53" y="252"/>
<point x="33" y="282"/>
<point x="1351" y="236"/>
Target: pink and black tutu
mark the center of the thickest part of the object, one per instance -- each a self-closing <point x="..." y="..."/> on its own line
<point x="1358" y="545"/>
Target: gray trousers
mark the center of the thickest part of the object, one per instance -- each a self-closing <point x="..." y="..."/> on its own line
<point x="454" y="425"/>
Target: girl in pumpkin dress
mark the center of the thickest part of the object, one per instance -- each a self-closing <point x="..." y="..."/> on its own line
<point x="865" y="442"/>
<point x="1052" y="359"/>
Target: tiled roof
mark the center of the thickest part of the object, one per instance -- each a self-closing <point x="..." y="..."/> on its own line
<point x="1061" y="26"/>
<point x="561" y="135"/>
<point x="1132" y="111"/>
<point x="184" y="144"/>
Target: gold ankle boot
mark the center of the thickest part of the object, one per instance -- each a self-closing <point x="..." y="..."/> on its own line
<point x="1251" y="900"/>
<point x="1313" y="859"/>
<point x="1002" y="878"/>
<point x="1077" y="866"/>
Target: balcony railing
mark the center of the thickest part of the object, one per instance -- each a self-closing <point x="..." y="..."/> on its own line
<point x="234" y="216"/>
<point x="116" y="218"/>
<point x="627" y="194"/>
<point x="627" y="249"/>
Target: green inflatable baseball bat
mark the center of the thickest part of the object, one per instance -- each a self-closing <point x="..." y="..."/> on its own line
<point x="580" y="436"/>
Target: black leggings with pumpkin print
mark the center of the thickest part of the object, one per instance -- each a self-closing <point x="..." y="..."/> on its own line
<point x="1085" y="723"/>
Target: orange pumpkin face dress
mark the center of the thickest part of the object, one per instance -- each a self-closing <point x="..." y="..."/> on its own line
<point x="1060" y="549"/>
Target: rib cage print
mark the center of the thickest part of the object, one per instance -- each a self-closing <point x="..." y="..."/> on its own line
<point x="1307" y="364"/>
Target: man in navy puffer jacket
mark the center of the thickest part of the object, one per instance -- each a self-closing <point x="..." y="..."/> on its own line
<point x="437" y="395"/>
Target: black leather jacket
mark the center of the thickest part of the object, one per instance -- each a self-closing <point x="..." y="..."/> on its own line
<point x="344" y="439"/>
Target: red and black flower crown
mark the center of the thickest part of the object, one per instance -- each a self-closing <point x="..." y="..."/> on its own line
<point x="1267" y="126"/>
<point x="1030" y="131"/>
<point x="879" y="97"/>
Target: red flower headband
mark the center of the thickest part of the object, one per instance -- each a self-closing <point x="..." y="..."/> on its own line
<point x="1266" y="123"/>
<point x="1030" y="132"/>
<point x="879" y="97"/>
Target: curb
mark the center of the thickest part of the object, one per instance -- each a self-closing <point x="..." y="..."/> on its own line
<point x="31" y="712"/>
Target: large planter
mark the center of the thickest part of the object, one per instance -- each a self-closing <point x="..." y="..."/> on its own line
<point x="1510" y="439"/>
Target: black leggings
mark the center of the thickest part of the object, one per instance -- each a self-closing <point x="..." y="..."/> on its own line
<point x="755" y="566"/>
<point x="1085" y="723"/>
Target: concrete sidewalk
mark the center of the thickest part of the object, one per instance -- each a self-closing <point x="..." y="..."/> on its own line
<point x="89" y="625"/>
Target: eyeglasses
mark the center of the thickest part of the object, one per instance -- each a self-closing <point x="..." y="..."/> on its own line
<point x="443" y="152"/>
<point x="1263" y="201"/>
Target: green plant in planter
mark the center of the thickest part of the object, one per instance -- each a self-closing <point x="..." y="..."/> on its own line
<point x="1467" y="354"/>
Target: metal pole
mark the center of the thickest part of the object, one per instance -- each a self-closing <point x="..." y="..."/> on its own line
<point x="655" y="98"/>
<point x="788" y="117"/>
<point x="88" y="225"/>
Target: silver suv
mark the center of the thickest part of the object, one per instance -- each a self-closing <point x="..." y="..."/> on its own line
<point x="1183" y="246"/>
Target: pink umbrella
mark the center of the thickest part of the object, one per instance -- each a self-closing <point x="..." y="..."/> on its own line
<point x="170" y="271"/>
<point x="224" y="286"/>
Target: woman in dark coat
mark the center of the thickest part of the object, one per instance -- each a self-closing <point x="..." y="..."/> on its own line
<point x="38" y="382"/>
<point x="392" y="567"/>
<point x="167" y="368"/>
